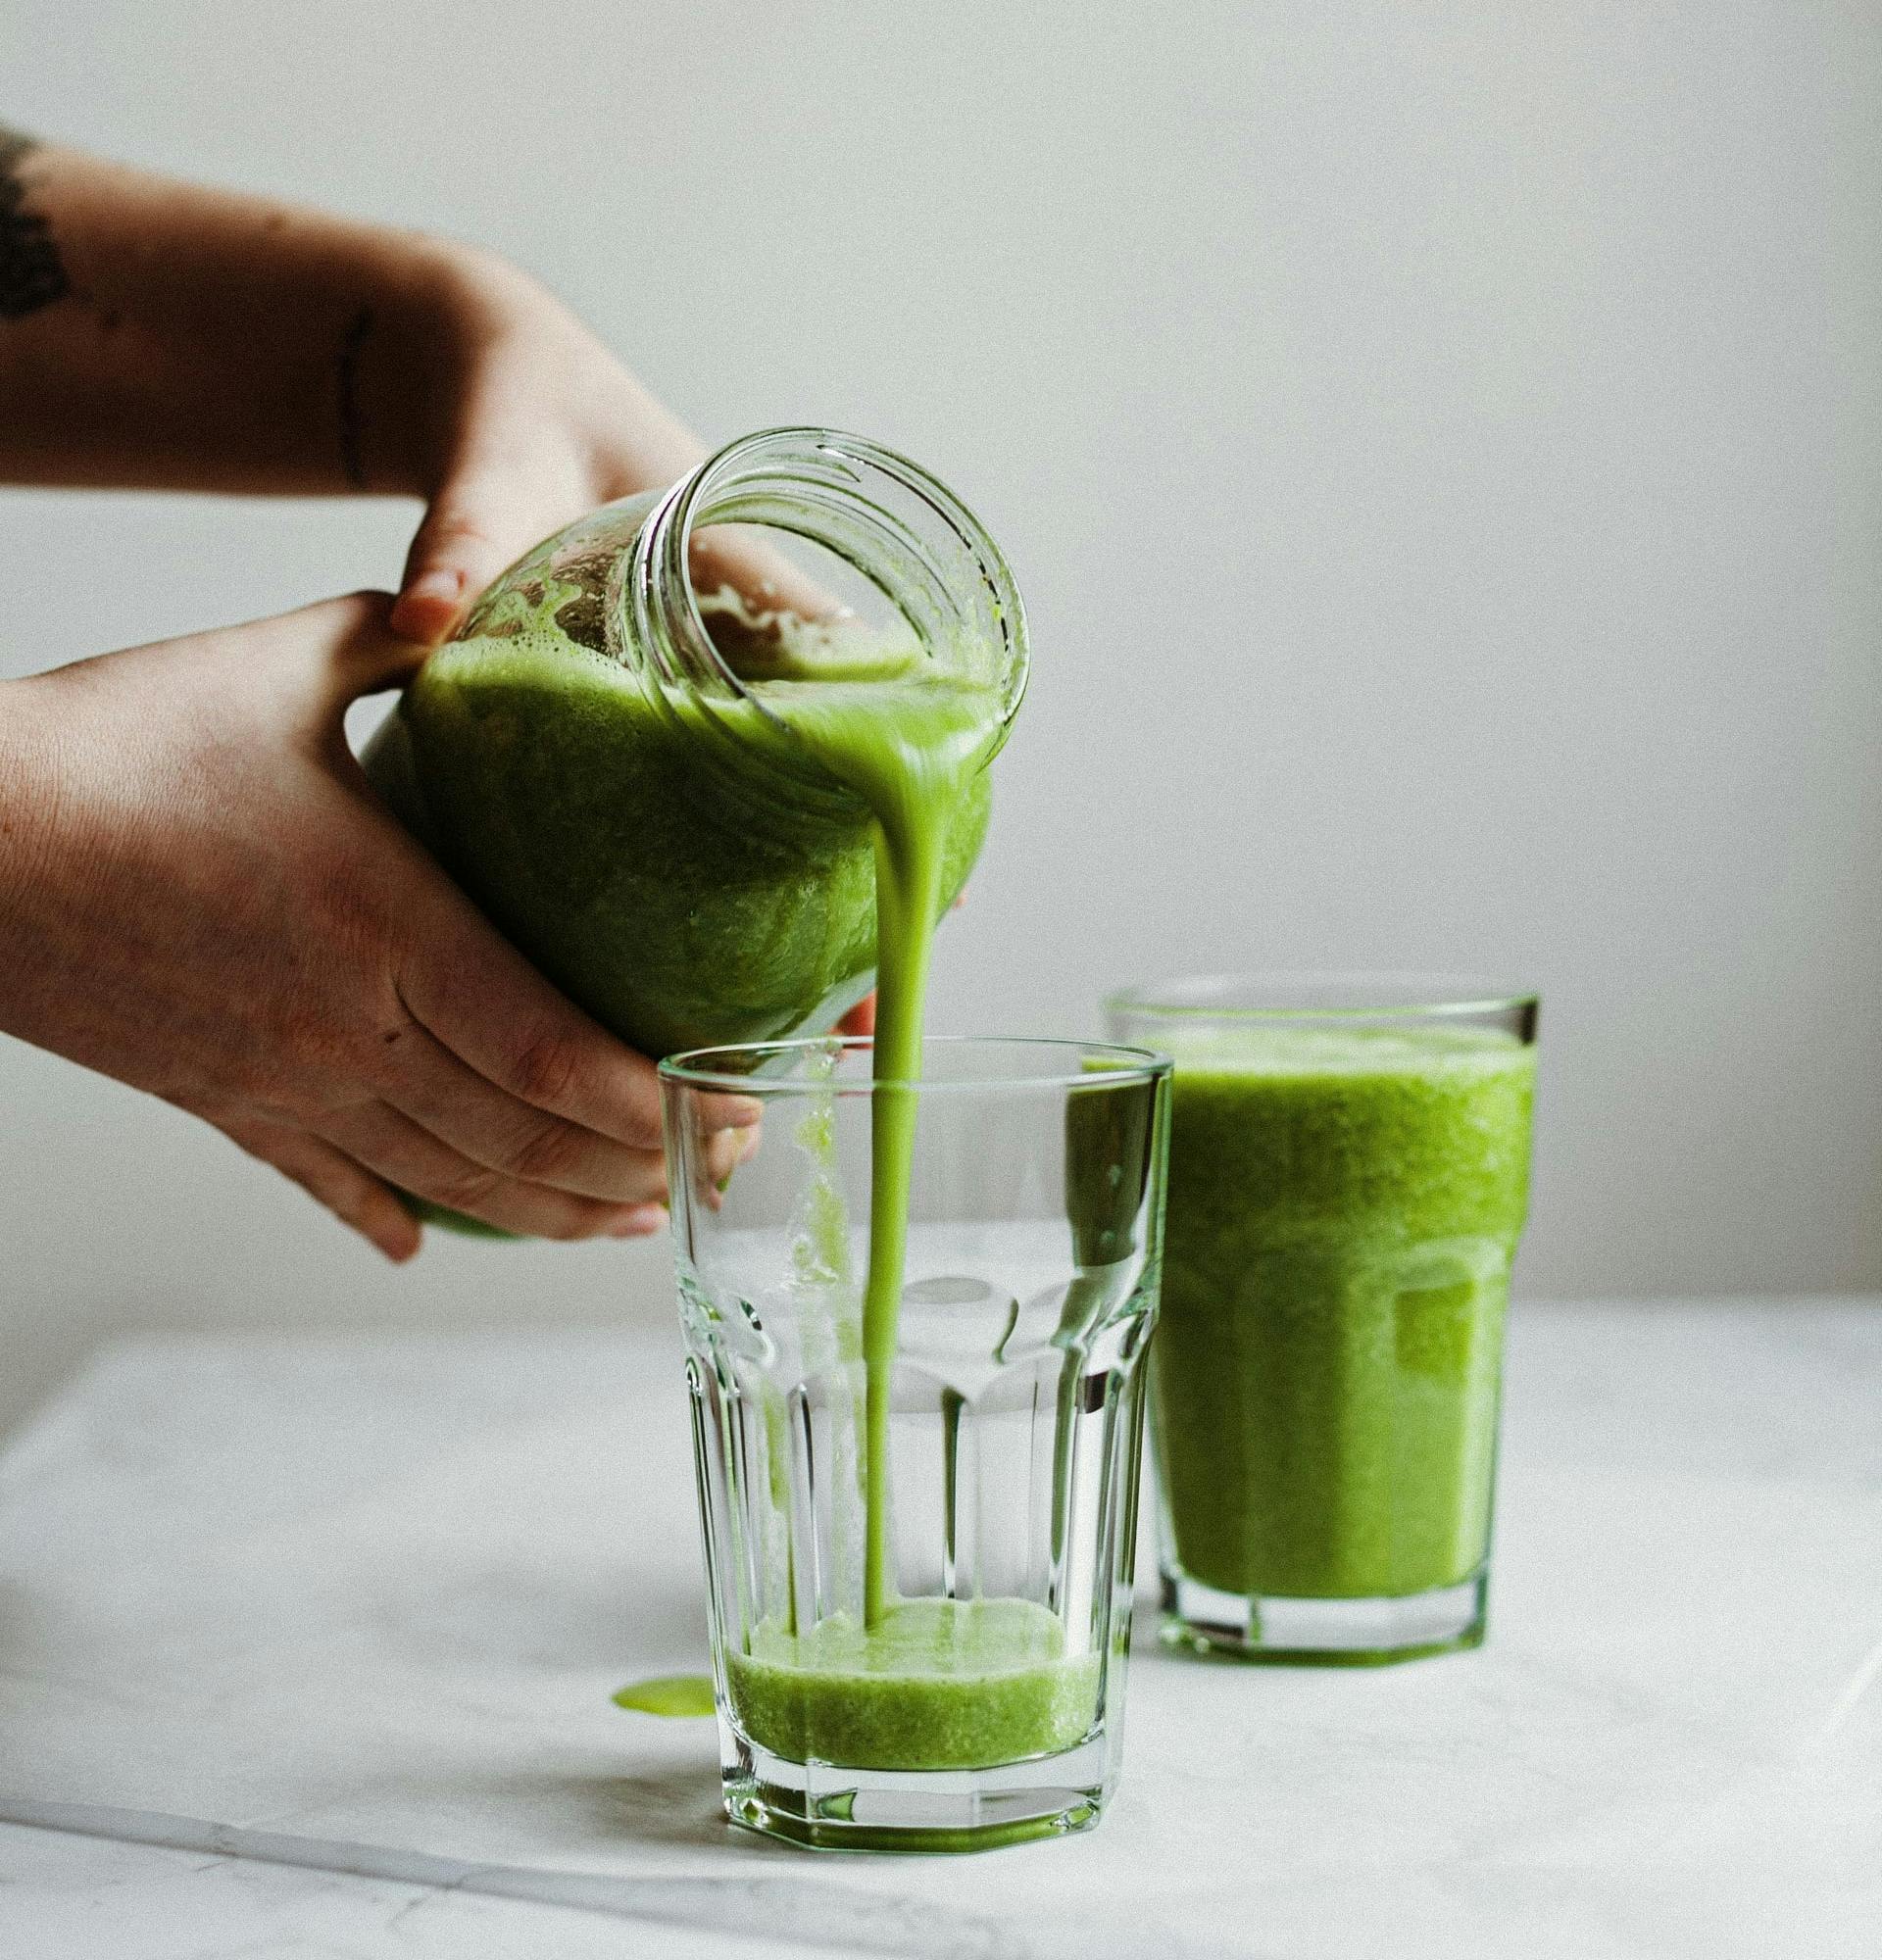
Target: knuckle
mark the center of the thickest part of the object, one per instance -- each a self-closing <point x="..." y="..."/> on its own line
<point x="547" y="1155"/>
<point x="275" y="1095"/>
<point x="643" y="1127"/>
<point x="650" y="1187"/>
<point x="388" y="1054"/>
<point x="467" y="1189"/>
<point x="455" y="524"/>
<point x="544" y="1068"/>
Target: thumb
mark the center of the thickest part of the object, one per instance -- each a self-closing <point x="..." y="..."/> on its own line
<point x="467" y="539"/>
<point x="324" y="657"/>
<point x="362" y="654"/>
<point x="861" y="1019"/>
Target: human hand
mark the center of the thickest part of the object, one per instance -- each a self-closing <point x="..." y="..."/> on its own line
<point x="526" y="421"/>
<point x="202" y="897"/>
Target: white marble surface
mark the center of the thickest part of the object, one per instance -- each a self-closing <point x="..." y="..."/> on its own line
<point x="96" y="1898"/>
<point x="305" y="1647"/>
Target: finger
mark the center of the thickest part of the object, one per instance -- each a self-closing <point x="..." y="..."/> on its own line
<point x="454" y="555"/>
<point x="367" y="653"/>
<point x="426" y="1081"/>
<point x="409" y="1157"/>
<point x="725" y="1152"/>
<point x="712" y="1162"/>
<point x="861" y="1019"/>
<point x="351" y="1193"/>
<point x="323" y="656"/>
<point x="430" y="606"/>
<point x="744" y="557"/>
<point x="478" y="525"/>
<point x="468" y="986"/>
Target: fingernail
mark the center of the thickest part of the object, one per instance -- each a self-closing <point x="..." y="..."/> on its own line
<point x="437" y="584"/>
<point x="734" y="1113"/>
<point x="640" y="1223"/>
<point x="749" y="1140"/>
<point x="428" y="607"/>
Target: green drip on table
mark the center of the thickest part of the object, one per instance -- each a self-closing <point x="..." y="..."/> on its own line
<point x="668" y="1694"/>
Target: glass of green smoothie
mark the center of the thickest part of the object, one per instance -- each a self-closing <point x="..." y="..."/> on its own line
<point x="1349" y="1176"/>
<point x="914" y="1321"/>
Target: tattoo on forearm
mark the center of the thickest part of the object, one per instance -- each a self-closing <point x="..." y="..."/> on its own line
<point x="347" y="375"/>
<point x="32" y="272"/>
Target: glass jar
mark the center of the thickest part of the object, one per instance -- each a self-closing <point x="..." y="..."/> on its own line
<point x="617" y="785"/>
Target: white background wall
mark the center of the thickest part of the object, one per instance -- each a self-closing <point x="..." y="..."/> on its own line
<point x="1441" y="445"/>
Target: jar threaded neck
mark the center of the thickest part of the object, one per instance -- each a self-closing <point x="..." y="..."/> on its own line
<point x="896" y="524"/>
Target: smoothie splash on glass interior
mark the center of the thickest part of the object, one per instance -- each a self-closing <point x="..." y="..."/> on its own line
<point x="1349" y="1177"/>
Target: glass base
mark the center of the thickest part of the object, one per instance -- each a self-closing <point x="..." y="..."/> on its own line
<point x="827" y="1807"/>
<point x="1325" y="1633"/>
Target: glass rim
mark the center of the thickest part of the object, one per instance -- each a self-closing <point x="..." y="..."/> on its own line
<point x="692" y="1068"/>
<point x="1375" y="994"/>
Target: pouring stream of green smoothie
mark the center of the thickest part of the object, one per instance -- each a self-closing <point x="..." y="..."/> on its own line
<point x="909" y="750"/>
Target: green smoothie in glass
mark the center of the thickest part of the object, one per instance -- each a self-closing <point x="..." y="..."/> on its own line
<point x="1348" y="1182"/>
<point x="935" y="1685"/>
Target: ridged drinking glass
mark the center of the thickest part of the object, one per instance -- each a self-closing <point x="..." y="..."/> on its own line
<point x="973" y="1693"/>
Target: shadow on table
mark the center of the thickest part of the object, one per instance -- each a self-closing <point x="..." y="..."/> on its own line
<point x="671" y="1806"/>
<point x="679" y="1806"/>
<point x="518" y="1813"/>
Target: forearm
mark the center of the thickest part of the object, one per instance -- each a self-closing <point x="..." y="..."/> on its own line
<point x="156" y="334"/>
<point x="28" y="811"/>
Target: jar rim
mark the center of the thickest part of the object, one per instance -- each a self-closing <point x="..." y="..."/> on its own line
<point x="821" y="467"/>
